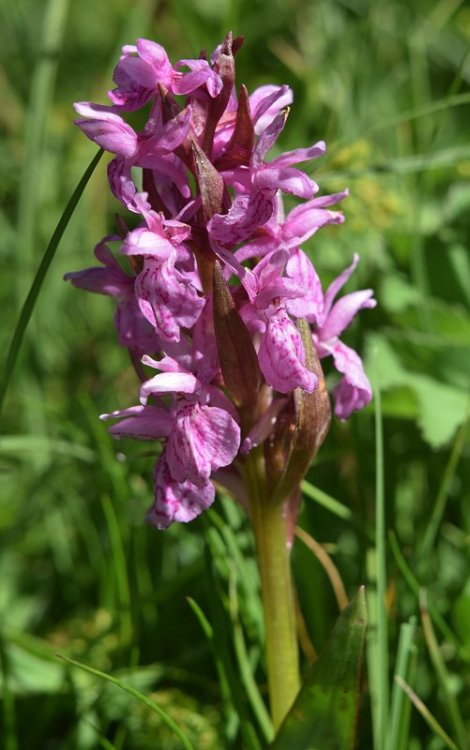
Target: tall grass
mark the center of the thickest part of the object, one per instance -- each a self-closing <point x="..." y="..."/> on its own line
<point x="81" y="575"/>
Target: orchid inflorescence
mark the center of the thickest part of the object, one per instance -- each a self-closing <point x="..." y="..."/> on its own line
<point x="218" y="296"/>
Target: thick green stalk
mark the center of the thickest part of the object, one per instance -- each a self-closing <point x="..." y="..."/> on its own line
<point x="269" y="526"/>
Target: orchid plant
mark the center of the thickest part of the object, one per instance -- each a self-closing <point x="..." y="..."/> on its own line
<point x="222" y="304"/>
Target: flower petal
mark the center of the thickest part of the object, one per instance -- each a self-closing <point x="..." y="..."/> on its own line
<point x="301" y="270"/>
<point x="299" y="155"/>
<point x="354" y="390"/>
<point x="177" y="501"/>
<point x="205" y="438"/>
<point x="99" y="280"/>
<point x="304" y="220"/>
<point x="123" y="188"/>
<point x="166" y="299"/>
<point x="134" y="331"/>
<point x="338" y="283"/>
<point x="263" y="427"/>
<point x="107" y="129"/>
<point x="108" y="279"/>
<point x="266" y="102"/>
<point x="231" y="263"/>
<point x="205" y="354"/>
<point x="138" y="73"/>
<point x="144" y="242"/>
<point x="155" y="55"/>
<point x="285" y="289"/>
<point x="165" y="140"/>
<point x="268" y="138"/>
<point x="282" y="356"/>
<point x="200" y="73"/>
<point x="344" y="310"/>
<point x="169" y="382"/>
<point x="287" y="179"/>
<point x="246" y="215"/>
<point x="141" y="422"/>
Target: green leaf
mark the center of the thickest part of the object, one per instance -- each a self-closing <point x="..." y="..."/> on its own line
<point x="450" y="323"/>
<point x="324" y="715"/>
<point x="396" y="294"/>
<point x="29" y="673"/>
<point x="441" y="408"/>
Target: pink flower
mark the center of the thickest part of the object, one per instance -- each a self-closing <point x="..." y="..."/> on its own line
<point x="134" y="332"/>
<point x="164" y="289"/>
<point x="145" y="66"/>
<point x="201" y="437"/>
<point x="266" y="102"/>
<point x="200" y="74"/>
<point x="140" y="70"/>
<point x="330" y="319"/>
<point x="281" y="353"/>
<point x="226" y="347"/>
<point x="204" y="437"/>
<point x="259" y="184"/>
<point x="177" y="501"/>
<point x="145" y="149"/>
<point x="300" y="224"/>
<point x="151" y="149"/>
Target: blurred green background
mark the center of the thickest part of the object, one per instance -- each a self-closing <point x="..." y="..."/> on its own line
<point x="386" y="85"/>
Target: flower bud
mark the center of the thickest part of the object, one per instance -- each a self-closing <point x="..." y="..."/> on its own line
<point x="225" y="67"/>
<point x="240" y="147"/>
<point x="310" y="425"/>
<point x="210" y="182"/>
<point x="238" y="358"/>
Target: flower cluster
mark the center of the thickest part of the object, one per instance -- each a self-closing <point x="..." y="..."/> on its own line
<point x="216" y="288"/>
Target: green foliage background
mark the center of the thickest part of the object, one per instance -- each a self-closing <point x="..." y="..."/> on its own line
<point x="386" y="85"/>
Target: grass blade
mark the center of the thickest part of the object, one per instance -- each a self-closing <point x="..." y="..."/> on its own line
<point x="441" y="500"/>
<point x="106" y="744"/>
<point x="8" y="701"/>
<point x="336" y="508"/>
<point x="246" y="671"/>
<point x="378" y="636"/>
<point x="119" y="567"/>
<point x="397" y="738"/>
<point x="442" y="674"/>
<point x="47" y="259"/>
<point x="42" y="86"/>
<point x="328" y="566"/>
<point x="326" y="501"/>
<point x="222" y="634"/>
<point x="415" y="587"/>
<point x="166" y="718"/>
<point x="202" y="619"/>
<point x="425" y="713"/>
<point x="208" y="631"/>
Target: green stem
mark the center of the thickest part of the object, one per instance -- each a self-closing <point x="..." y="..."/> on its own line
<point x="276" y="590"/>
